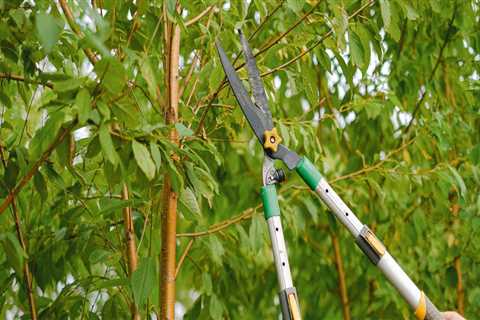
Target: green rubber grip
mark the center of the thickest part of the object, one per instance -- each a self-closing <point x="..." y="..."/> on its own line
<point x="308" y="172"/>
<point x="270" y="201"/>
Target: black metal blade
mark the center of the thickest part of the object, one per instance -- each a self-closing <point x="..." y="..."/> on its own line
<point x="256" y="82"/>
<point x="252" y="113"/>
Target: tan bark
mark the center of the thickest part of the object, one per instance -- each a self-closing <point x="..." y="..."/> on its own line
<point x="26" y="269"/>
<point x="341" y="278"/>
<point x="131" y="249"/>
<point x="169" y="210"/>
<point x="460" y="290"/>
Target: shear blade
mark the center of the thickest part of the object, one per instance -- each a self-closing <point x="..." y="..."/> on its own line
<point x="255" y="116"/>
<point x="258" y="90"/>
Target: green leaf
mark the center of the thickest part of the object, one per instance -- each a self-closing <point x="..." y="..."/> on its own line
<point x="373" y="109"/>
<point x="40" y="185"/>
<point x="459" y="180"/>
<point x="216" y="250"/>
<point x="475" y="155"/>
<point x="112" y="73"/>
<point x="48" y="30"/>
<point x="171" y="9"/>
<point x="216" y="307"/>
<point x="144" y="160"/>
<point x="103" y="109"/>
<point x="82" y="103"/>
<point x="68" y="85"/>
<point x="149" y="76"/>
<point x="182" y="130"/>
<point x="99" y="255"/>
<point x="295" y="5"/>
<point x="188" y="199"/>
<point x="340" y="25"/>
<point x="156" y="155"/>
<point x="14" y="252"/>
<point x="115" y="308"/>
<point x="143" y="280"/>
<point x="215" y="77"/>
<point x="386" y="13"/>
<point x="45" y="135"/>
<point x="106" y="143"/>
<point x="207" y="283"/>
<point x="390" y="18"/>
<point x="356" y="49"/>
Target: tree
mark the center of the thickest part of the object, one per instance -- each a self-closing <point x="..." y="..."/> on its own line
<point x="130" y="179"/>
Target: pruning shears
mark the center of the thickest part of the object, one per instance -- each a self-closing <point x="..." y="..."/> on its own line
<point x="260" y="119"/>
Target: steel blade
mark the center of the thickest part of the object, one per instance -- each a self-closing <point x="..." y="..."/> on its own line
<point x="252" y="113"/>
<point x="256" y="83"/>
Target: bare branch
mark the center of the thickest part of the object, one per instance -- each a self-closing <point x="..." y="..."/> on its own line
<point x="245" y="215"/>
<point x="184" y="255"/>
<point x="199" y="16"/>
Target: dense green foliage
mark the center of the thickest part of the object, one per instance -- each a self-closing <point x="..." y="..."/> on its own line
<point x="347" y="104"/>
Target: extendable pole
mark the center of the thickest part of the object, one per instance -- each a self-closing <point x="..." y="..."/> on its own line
<point x="369" y="243"/>
<point x="288" y="293"/>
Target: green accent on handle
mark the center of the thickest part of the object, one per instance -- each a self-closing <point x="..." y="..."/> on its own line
<point x="308" y="172"/>
<point x="270" y="201"/>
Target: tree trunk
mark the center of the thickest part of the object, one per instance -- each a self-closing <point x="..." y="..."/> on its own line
<point x="169" y="210"/>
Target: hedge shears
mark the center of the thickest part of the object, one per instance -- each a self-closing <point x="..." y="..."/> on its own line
<point x="260" y="119"/>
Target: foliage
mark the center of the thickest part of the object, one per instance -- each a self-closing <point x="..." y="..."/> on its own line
<point x="381" y="95"/>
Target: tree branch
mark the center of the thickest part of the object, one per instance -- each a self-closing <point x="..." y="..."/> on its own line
<point x="460" y="290"/>
<point x="342" y="286"/>
<point x="28" y="176"/>
<point x="372" y="167"/>
<point x="71" y="22"/>
<point x="184" y="255"/>
<point x="222" y="84"/>
<point x="15" y="77"/>
<point x="432" y="74"/>
<point x="318" y="42"/>
<point x="260" y="26"/>
<point x="275" y="40"/>
<point x="26" y="269"/>
<point x="245" y="215"/>
<point x="131" y="249"/>
<point x="199" y="16"/>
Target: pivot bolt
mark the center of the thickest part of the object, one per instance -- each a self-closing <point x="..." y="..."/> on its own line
<point x="271" y="140"/>
<point x="279" y="175"/>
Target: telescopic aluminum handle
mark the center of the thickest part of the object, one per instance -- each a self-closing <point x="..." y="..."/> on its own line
<point x="288" y="293"/>
<point x="369" y="243"/>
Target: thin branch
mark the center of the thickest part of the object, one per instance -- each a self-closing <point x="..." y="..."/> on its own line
<point x="28" y="176"/>
<point x="71" y="22"/>
<point x="222" y="84"/>
<point x="318" y="42"/>
<point x="183" y="256"/>
<point x="285" y="33"/>
<point x="460" y="290"/>
<point x="260" y="26"/>
<point x="189" y="75"/>
<point x="21" y="239"/>
<point x="16" y="77"/>
<point x="372" y="167"/>
<point x="432" y="74"/>
<point x="245" y="215"/>
<point x="342" y="286"/>
<point x="199" y="16"/>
